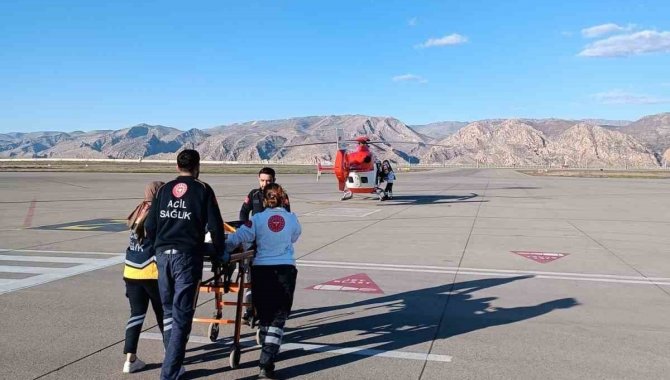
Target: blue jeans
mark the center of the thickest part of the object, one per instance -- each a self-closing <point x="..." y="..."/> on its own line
<point x="178" y="280"/>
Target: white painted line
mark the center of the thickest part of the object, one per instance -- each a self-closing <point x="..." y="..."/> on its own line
<point x="60" y="273"/>
<point x="344" y="212"/>
<point x="33" y="270"/>
<point x="366" y="352"/>
<point x="6" y="282"/>
<point x="250" y="342"/>
<point x="47" y="259"/>
<point x="511" y="271"/>
<point x="65" y="252"/>
<point x="640" y="280"/>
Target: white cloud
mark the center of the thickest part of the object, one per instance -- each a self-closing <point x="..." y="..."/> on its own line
<point x="452" y="39"/>
<point x="646" y="41"/>
<point x="412" y="21"/>
<point x="409" y="78"/>
<point x="601" y="30"/>
<point x="623" y="97"/>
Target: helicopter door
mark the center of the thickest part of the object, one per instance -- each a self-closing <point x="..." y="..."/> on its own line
<point x="361" y="180"/>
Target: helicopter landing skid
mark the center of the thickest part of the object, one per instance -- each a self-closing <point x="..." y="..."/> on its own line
<point x="347" y="195"/>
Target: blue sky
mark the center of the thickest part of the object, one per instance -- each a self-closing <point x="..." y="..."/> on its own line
<point x="82" y="65"/>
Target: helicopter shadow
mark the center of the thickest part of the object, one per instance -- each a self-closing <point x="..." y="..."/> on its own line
<point x="387" y="323"/>
<point x="433" y="199"/>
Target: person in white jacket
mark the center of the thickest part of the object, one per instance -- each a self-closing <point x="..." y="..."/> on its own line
<point x="273" y="274"/>
<point x="389" y="177"/>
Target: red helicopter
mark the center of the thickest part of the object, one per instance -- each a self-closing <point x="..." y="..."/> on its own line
<point x="357" y="172"/>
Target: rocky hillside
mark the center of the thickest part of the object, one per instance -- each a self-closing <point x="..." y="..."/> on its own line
<point x="497" y="142"/>
<point x="652" y="130"/>
<point x="441" y="129"/>
<point x="514" y="142"/>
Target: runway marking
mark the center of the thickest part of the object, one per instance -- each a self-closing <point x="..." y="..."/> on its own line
<point x="65" y="252"/>
<point x="360" y="282"/>
<point x="489" y="272"/>
<point x="250" y="342"/>
<point x="46" y="259"/>
<point x="28" y="270"/>
<point x="342" y="211"/>
<point x="106" y="224"/>
<point x="541" y="257"/>
<point x="48" y="275"/>
<point x="43" y="275"/>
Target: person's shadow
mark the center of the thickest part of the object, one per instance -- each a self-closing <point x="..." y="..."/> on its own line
<point x="398" y="321"/>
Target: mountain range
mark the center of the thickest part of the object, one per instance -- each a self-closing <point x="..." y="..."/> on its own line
<point x="521" y="142"/>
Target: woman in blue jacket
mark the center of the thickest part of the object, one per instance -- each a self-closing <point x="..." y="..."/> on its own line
<point x="273" y="274"/>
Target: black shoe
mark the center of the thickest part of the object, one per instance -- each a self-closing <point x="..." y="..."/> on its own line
<point x="267" y="373"/>
<point x="246" y="318"/>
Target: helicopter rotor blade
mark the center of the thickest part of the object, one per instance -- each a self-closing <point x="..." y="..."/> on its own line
<point x="308" y="144"/>
<point x="409" y="142"/>
<point x="378" y="147"/>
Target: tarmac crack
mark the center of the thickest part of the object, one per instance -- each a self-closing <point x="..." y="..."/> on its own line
<point x="453" y="282"/>
<point x="102" y="349"/>
<point x="616" y="256"/>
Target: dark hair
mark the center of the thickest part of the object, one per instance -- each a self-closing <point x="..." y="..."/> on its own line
<point x="388" y="164"/>
<point x="274" y="196"/>
<point x="188" y="160"/>
<point x="268" y="171"/>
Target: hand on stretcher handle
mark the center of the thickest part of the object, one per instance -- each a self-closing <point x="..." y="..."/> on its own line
<point x="235" y="257"/>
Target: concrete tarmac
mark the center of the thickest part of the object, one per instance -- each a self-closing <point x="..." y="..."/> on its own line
<point x="482" y="274"/>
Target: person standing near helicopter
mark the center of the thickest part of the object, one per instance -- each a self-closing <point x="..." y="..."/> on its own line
<point x="389" y="176"/>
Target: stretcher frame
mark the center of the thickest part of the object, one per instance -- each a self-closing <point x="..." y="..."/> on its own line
<point x="221" y="283"/>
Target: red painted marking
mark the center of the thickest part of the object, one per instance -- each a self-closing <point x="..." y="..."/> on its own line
<point x="355" y="283"/>
<point x="276" y="223"/>
<point x="541" y="257"/>
<point x="179" y="190"/>
<point x="28" y="221"/>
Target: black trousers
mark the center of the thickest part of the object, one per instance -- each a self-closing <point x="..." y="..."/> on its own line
<point x="179" y="277"/>
<point x="139" y="293"/>
<point x="273" y="287"/>
<point x="389" y="187"/>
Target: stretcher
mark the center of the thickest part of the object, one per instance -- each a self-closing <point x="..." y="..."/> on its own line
<point x="221" y="283"/>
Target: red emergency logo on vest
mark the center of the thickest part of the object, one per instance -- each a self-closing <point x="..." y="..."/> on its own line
<point x="179" y="190"/>
<point x="276" y="223"/>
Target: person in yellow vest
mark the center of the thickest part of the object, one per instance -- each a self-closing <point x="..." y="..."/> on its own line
<point x="141" y="277"/>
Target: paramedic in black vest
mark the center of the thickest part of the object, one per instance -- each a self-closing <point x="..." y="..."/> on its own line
<point x="253" y="204"/>
<point x="184" y="210"/>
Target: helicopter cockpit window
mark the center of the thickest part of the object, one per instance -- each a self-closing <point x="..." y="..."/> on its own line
<point x="364" y="179"/>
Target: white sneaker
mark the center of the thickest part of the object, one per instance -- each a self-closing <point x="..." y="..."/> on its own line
<point x="130" y="367"/>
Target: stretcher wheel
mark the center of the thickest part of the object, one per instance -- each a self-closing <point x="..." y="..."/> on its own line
<point x="234" y="358"/>
<point x="213" y="331"/>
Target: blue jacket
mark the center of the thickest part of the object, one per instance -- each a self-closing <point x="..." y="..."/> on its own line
<point x="274" y="231"/>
